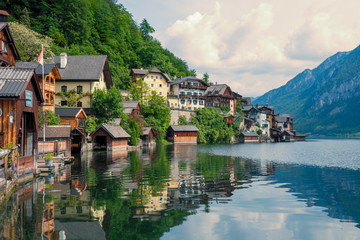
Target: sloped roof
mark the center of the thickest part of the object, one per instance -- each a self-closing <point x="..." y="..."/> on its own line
<point x="250" y="134"/>
<point x="145" y="131"/>
<point x="287" y="133"/>
<point x="48" y="67"/>
<point x="150" y="70"/>
<point x="67" y="111"/>
<point x="56" y="131"/>
<point x="11" y="43"/>
<point x="184" y="128"/>
<point x="246" y="108"/>
<point x="130" y="104"/>
<point x="216" y="90"/>
<point x="14" y="80"/>
<point x="113" y="130"/>
<point x="85" y="67"/>
<point x="184" y="79"/>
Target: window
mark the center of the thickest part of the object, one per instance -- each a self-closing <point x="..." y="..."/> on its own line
<point x="156" y="77"/>
<point x="152" y="77"/>
<point x="188" y="93"/>
<point x="160" y="85"/>
<point x="3" y="46"/>
<point x="195" y="101"/>
<point x="82" y="123"/>
<point x="160" y="93"/>
<point x="67" y="122"/>
<point x="167" y="85"/>
<point x="79" y="89"/>
<point x="182" y="93"/>
<point x="79" y="104"/>
<point x="195" y="93"/>
<point x="182" y="101"/>
<point x="63" y="103"/>
<point x="152" y="85"/>
<point x="160" y="77"/>
<point x="63" y="88"/>
<point x="147" y="76"/>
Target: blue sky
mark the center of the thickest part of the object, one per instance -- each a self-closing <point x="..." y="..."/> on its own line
<point x="253" y="46"/>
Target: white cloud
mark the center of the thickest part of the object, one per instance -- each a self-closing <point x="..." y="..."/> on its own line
<point x="263" y="43"/>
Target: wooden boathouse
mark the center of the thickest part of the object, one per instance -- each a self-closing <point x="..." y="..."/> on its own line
<point x="57" y="140"/>
<point x="182" y="133"/>
<point x="110" y="137"/>
<point x="249" y="137"/>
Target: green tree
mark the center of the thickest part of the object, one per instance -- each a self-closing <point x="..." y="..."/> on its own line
<point x="206" y="78"/>
<point x="146" y="29"/>
<point x="107" y="104"/>
<point x="157" y="115"/>
<point x="135" y="132"/>
<point x="25" y="18"/>
<point x="182" y="120"/>
<point x="49" y="118"/>
<point x="225" y="109"/>
<point x="91" y="124"/>
<point x="72" y="97"/>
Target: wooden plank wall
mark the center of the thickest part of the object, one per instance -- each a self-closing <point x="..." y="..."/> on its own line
<point x="9" y="130"/>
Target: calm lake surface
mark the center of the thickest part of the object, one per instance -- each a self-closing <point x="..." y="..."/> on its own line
<point x="304" y="190"/>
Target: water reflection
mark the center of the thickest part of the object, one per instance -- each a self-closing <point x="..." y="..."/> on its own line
<point x="173" y="191"/>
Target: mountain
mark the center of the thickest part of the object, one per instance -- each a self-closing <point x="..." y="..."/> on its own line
<point x="325" y="100"/>
<point x="96" y="27"/>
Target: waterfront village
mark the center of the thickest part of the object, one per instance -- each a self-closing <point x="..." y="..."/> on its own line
<point x="28" y="90"/>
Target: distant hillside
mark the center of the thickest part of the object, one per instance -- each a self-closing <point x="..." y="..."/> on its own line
<point x="87" y="27"/>
<point x="325" y="100"/>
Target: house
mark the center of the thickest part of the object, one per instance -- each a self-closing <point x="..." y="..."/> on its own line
<point x="299" y="137"/>
<point x="57" y="140"/>
<point x="8" y="51"/>
<point x="275" y="133"/>
<point x="76" y="118"/>
<point x="147" y="136"/>
<point x="189" y="92"/>
<point x="284" y="122"/>
<point x="110" y="137"/>
<point x="229" y="119"/>
<point x="50" y="74"/>
<point x="260" y="118"/>
<point x="20" y="97"/>
<point x="249" y="137"/>
<point x="84" y="74"/>
<point x="287" y="136"/>
<point x="182" y="133"/>
<point x="220" y="95"/>
<point x="131" y="108"/>
<point x="155" y="79"/>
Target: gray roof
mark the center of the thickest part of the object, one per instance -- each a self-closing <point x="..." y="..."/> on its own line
<point x="250" y="134"/>
<point x="113" y="130"/>
<point x="130" y="104"/>
<point x="67" y="111"/>
<point x="55" y="131"/>
<point x="2" y="25"/>
<point x="48" y="67"/>
<point x="91" y="230"/>
<point x="87" y="67"/>
<point x="184" y="79"/>
<point x="286" y="115"/>
<point x="287" y="133"/>
<point x="150" y="70"/>
<point x="216" y="90"/>
<point x="246" y="108"/>
<point x="184" y="128"/>
<point x="14" y="80"/>
<point x="145" y="131"/>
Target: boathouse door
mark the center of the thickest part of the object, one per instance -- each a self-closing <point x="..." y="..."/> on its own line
<point x="27" y="134"/>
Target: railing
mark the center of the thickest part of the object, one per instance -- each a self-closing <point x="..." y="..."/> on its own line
<point x="52" y="147"/>
<point x="192" y="86"/>
<point x="192" y="96"/>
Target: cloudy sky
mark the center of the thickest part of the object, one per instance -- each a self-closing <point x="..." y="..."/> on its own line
<point x="251" y="45"/>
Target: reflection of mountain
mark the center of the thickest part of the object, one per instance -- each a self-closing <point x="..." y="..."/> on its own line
<point x="335" y="189"/>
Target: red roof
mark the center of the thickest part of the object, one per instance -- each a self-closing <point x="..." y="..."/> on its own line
<point x="3" y="12"/>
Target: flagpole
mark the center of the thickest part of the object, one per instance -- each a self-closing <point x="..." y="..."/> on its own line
<point x="43" y="108"/>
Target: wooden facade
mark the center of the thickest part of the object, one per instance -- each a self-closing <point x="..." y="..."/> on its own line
<point x="103" y="140"/>
<point x="77" y="120"/>
<point x="8" y="51"/>
<point x="49" y="84"/>
<point x="182" y="134"/>
<point x="8" y="130"/>
<point x="249" y="138"/>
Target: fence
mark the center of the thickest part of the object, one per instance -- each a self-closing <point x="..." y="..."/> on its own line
<point x="55" y="147"/>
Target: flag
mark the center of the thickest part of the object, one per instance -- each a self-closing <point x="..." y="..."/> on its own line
<point x="41" y="57"/>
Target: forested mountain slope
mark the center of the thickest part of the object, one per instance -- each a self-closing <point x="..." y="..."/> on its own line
<point x="83" y="27"/>
<point x="325" y="100"/>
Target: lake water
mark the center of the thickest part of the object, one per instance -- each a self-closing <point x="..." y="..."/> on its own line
<point x="304" y="190"/>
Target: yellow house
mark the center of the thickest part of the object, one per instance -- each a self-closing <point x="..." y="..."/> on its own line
<point x="85" y="74"/>
<point x="155" y="79"/>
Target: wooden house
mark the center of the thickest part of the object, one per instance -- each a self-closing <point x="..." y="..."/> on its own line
<point x="275" y="133"/>
<point x="57" y="140"/>
<point x="76" y="118"/>
<point x="287" y="136"/>
<point x="20" y="97"/>
<point x="182" y="133"/>
<point x="249" y="137"/>
<point x="299" y="137"/>
<point x="132" y="108"/>
<point x="220" y="95"/>
<point x="50" y="74"/>
<point x="147" y="136"/>
<point x="84" y="74"/>
<point x="110" y="137"/>
<point x="8" y="51"/>
<point x="229" y="119"/>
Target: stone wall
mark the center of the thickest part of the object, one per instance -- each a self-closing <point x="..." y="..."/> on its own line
<point x="176" y="113"/>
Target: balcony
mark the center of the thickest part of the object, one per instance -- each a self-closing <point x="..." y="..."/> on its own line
<point x="192" y="87"/>
<point x="192" y="96"/>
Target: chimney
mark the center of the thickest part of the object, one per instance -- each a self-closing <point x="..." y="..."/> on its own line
<point x="3" y="16"/>
<point x="215" y="83"/>
<point x="63" y="60"/>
